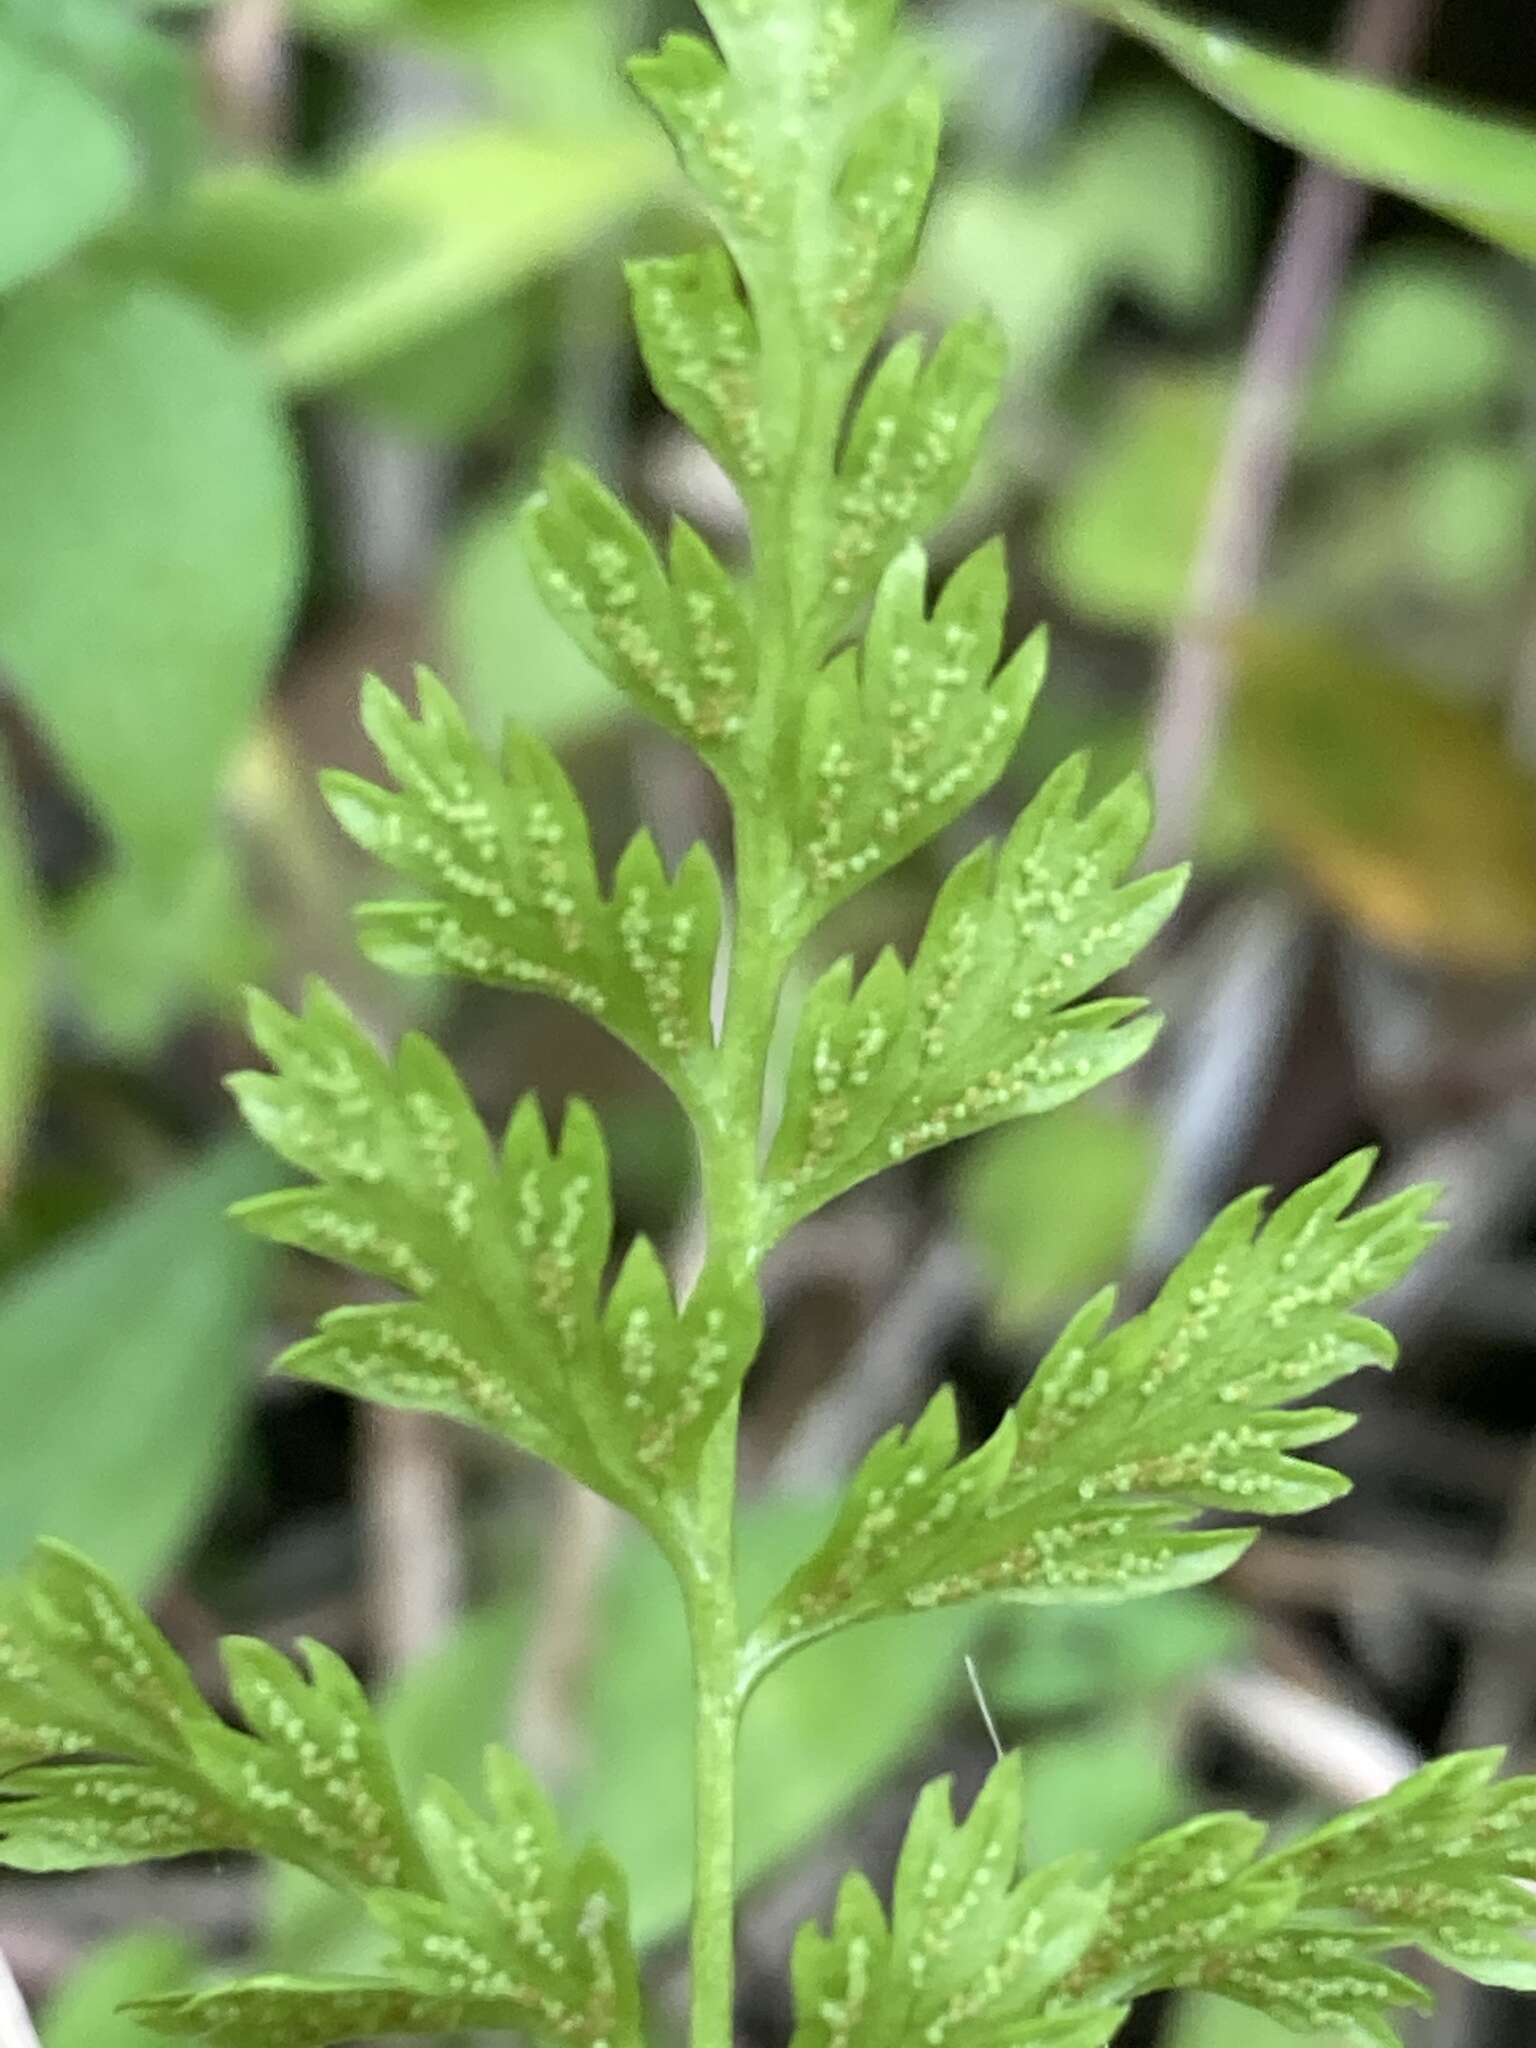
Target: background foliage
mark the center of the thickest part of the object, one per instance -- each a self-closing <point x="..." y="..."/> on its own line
<point x="296" y="301"/>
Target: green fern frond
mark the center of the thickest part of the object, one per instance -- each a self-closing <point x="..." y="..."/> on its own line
<point x="112" y="1756"/>
<point x="505" y="1253"/>
<point x="972" y="1950"/>
<point x="1087" y="1490"/>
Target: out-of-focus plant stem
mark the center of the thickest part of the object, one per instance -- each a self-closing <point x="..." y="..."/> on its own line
<point x="1311" y="256"/>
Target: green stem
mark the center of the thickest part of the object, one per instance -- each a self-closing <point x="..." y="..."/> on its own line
<point x="710" y="1594"/>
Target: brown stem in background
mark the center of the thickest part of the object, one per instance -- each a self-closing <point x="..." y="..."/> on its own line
<point x="1311" y="256"/>
<point x="411" y="1534"/>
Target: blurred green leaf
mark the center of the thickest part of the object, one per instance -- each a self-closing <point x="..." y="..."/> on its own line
<point x="1216" y="2023"/>
<point x="1119" y="539"/>
<point x="145" y="950"/>
<point x="120" y="1380"/>
<point x="1053" y="1659"/>
<point x="1161" y="182"/>
<point x="1475" y="169"/>
<point x="1466" y="517"/>
<point x="66" y="165"/>
<point x="330" y="275"/>
<point x="508" y="657"/>
<point x="1404" y="810"/>
<point x="1103" y="1791"/>
<point x="20" y="989"/>
<point x="1049" y="1205"/>
<point x="550" y="61"/>
<point x="448" y="386"/>
<point x="1149" y="202"/>
<point x="145" y="594"/>
<point x="130" y="69"/>
<point x="1419" y="344"/>
<point x="84" y="2013"/>
<point x="1419" y="339"/>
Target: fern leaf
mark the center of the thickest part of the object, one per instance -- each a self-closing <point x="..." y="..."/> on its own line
<point x="1441" y="1864"/>
<point x="516" y="1931"/>
<point x="987" y="1023"/>
<point x="1445" y="1860"/>
<point x="504" y="1254"/>
<point x="971" y="1952"/>
<point x="898" y="741"/>
<point x="676" y="637"/>
<point x="1088" y="1489"/>
<point x="112" y="1755"/>
<point x="515" y="897"/>
<point x="911" y="445"/>
<point x="700" y="345"/>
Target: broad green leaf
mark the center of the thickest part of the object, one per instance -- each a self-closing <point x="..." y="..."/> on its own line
<point x="142" y="443"/>
<point x="1403" y="808"/>
<point x="1207" y="2023"/>
<point x="1088" y="1489"/>
<point x="85" y="1674"/>
<point x="85" y="2013"/>
<point x="972" y="1950"/>
<point x="986" y="1024"/>
<point x="507" y="656"/>
<point x="1119" y="540"/>
<point x="1100" y="1789"/>
<point x="1147" y="200"/>
<point x="1466" y="514"/>
<point x="516" y="899"/>
<point x="456" y="384"/>
<point x="1420" y="339"/>
<point x="140" y="77"/>
<point x="1418" y="347"/>
<point x="503" y="1253"/>
<point x="145" y="949"/>
<point x="66" y="164"/>
<point x="328" y="275"/>
<point x="1053" y="1659"/>
<point x="1050" y="1205"/>
<point x="21" y="994"/>
<point x="1474" y="169"/>
<point x="118" y="1379"/>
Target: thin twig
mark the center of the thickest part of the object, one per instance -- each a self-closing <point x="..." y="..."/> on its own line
<point x="1322" y="222"/>
<point x="16" y="2028"/>
<point x="411" y="1525"/>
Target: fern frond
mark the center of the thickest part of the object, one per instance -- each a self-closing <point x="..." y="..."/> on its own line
<point x="971" y="1951"/>
<point x="1088" y="1489"/>
<point x="505" y="1253"/>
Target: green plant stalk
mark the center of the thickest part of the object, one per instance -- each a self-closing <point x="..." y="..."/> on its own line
<point x="707" y="1566"/>
<point x="710" y="1597"/>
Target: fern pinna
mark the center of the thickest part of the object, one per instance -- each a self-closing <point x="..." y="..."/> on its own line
<point x="850" y="710"/>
